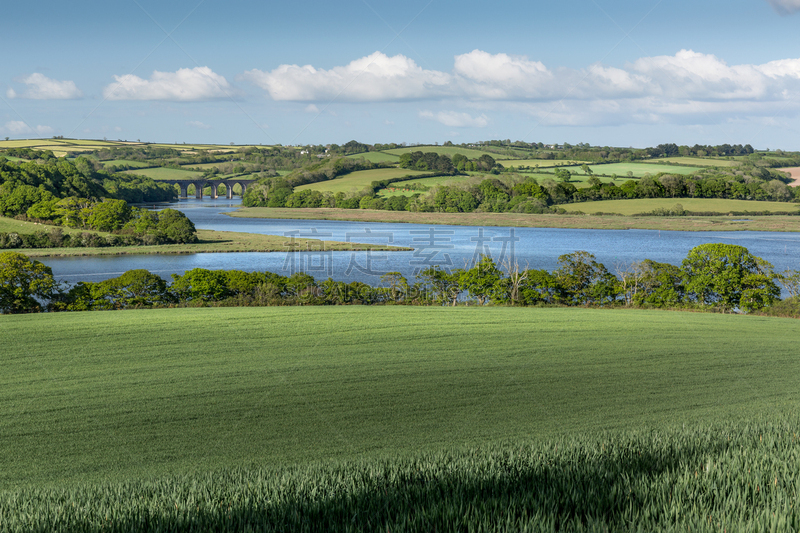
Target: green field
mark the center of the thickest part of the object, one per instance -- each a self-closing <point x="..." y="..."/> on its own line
<point x="214" y="415"/>
<point x="543" y="163"/>
<point x="356" y="181"/>
<point x="697" y="161"/>
<point x="162" y="173"/>
<point x="443" y="150"/>
<point x="702" y="205"/>
<point x="377" y="157"/>
<point x="129" y="162"/>
<point x="637" y="169"/>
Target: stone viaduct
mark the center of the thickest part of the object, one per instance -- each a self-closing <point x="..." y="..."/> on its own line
<point x="214" y="184"/>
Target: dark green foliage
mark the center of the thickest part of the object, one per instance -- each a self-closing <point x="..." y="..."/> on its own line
<point x="25" y="284"/>
<point x="728" y="276"/>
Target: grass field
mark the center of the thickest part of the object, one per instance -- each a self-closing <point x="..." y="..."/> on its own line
<point x="377" y="157"/>
<point x="10" y="225"/>
<point x="712" y="223"/>
<point x="161" y="173"/>
<point x="444" y="150"/>
<point x="438" y="417"/>
<point x="129" y="162"/>
<point x="356" y="181"/>
<point x="543" y="163"/>
<point x="646" y="205"/>
<point x="697" y="161"/>
<point x="637" y="169"/>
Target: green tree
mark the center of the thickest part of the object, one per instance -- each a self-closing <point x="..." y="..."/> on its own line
<point x="25" y="284"/>
<point x="176" y="227"/>
<point x="584" y="280"/>
<point x="482" y="280"/>
<point x="729" y="277"/>
<point x="109" y="215"/>
<point x="563" y="174"/>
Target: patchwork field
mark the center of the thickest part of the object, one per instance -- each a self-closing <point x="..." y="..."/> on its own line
<point x="356" y="181"/>
<point x="636" y="169"/>
<point x="645" y="205"/>
<point x="696" y="161"/>
<point x="161" y="173"/>
<point x="129" y="162"/>
<point x="445" y="150"/>
<point x="377" y="157"/>
<point x="542" y="163"/>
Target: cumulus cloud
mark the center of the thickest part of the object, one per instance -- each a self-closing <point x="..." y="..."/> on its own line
<point x="18" y="127"/>
<point x="40" y="87"/>
<point x="199" y="83"/>
<point x="454" y="119"/>
<point x="376" y="77"/>
<point x="785" y="7"/>
<point x="649" y="89"/>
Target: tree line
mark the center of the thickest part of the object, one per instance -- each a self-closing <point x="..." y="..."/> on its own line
<point x="719" y="277"/>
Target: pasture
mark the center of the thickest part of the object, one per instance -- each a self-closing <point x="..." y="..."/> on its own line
<point x="355" y="414"/>
<point x="356" y="181"/>
<point x="163" y="173"/>
<point x="696" y="161"/>
<point x="129" y="162"/>
<point x="646" y="205"/>
<point x="541" y="163"/>
<point x="443" y="150"/>
<point x="377" y="157"/>
<point x="636" y="169"/>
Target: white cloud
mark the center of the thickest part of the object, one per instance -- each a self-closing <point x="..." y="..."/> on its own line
<point x="376" y="77"/>
<point x="198" y="125"/>
<point x="40" y="87"/>
<point x="18" y="127"/>
<point x="455" y="119"/>
<point x="199" y="83"/>
<point x="785" y="7"/>
<point x="311" y="108"/>
<point x="682" y="87"/>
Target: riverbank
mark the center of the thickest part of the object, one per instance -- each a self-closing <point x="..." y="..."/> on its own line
<point x="616" y="222"/>
<point x="216" y="242"/>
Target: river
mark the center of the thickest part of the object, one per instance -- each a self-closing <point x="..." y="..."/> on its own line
<point x="444" y="246"/>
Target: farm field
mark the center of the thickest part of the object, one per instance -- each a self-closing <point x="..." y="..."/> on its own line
<point x="377" y="157"/>
<point x="543" y="163"/>
<point x="356" y="181"/>
<point x="696" y="161"/>
<point x="227" y="410"/>
<point x="645" y="205"/>
<point x="130" y="162"/>
<point x="163" y="173"/>
<point x="445" y="150"/>
<point x="637" y="169"/>
<point x="10" y="225"/>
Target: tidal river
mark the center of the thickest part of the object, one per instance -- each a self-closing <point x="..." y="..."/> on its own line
<point x="444" y="246"/>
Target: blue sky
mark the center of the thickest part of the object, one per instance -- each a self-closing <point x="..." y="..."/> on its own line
<point x="624" y="73"/>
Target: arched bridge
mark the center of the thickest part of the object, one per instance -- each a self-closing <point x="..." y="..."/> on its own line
<point x="214" y="184"/>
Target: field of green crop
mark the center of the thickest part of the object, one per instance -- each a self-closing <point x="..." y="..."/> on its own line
<point x="543" y="163"/>
<point x="377" y="157"/>
<point x="373" y="415"/>
<point x="697" y="161"/>
<point x="637" y="169"/>
<point x="162" y="173"/>
<point x="129" y="162"/>
<point x="646" y="205"/>
<point x="445" y="150"/>
<point x="356" y="181"/>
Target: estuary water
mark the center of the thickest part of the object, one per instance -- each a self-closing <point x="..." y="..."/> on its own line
<point x="443" y="246"/>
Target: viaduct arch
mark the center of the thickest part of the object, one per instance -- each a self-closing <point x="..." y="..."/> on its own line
<point x="214" y="184"/>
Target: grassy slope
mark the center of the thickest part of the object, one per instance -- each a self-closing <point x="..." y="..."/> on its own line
<point x="716" y="223"/>
<point x="445" y="150"/>
<point x="377" y="157"/>
<point x="638" y="169"/>
<point x="161" y="173"/>
<point x="697" y="161"/>
<point x="356" y="181"/>
<point x="138" y="393"/>
<point x="645" y="205"/>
